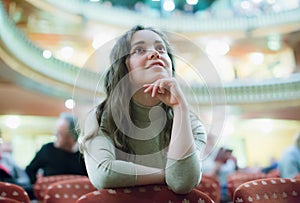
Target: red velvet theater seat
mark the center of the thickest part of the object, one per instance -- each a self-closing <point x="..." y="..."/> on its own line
<point x="268" y="190"/>
<point x="42" y="183"/>
<point x="10" y="192"/>
<point x="144" y="194"/>
<point x="68" y="191"/>
<point x="211" y="187"/>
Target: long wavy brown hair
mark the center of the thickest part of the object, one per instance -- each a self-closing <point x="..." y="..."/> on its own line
<point x="117" y="71"/>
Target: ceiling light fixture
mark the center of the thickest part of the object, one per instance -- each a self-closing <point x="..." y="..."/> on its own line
<point x="47" y="54"/>
<point x="169" y="5"/>
<point x="192" y="2"/>
<point x="70" y="104"/>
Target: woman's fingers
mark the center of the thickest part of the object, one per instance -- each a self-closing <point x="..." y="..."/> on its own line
<point x="162" y="90"/>
<point x="148" y="87"/>
<point x="155" y="89"/>
<point x="165" y="89"/>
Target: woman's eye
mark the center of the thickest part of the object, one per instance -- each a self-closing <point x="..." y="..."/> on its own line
<point x="161" y="49"/>
<point x="139" y="51"/>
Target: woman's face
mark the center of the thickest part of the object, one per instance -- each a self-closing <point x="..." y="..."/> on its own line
<point x="148" y="60"/>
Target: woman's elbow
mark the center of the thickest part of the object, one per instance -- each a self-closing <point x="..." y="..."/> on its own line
<point x="181" y="189"/>
<point x="100" y="182"/>
<point x="184" y="186"/>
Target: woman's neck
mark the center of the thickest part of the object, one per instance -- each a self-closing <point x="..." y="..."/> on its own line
<point x="145" y="99"/>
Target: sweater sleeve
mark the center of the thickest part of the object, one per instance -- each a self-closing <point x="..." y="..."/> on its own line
<point x="184" y="174"/>
<point x="103" y="169"/>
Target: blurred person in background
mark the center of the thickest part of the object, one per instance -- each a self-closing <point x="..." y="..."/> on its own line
<point x="59" y="157"/>
<point x="271" y="167"/>
<point x="289" y="164"/>
<point x="11" y="172"/>
<point x="219" y="164"/>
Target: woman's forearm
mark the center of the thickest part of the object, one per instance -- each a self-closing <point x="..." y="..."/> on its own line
<point x="147" y="175"/>
<point x="182" y="141"/>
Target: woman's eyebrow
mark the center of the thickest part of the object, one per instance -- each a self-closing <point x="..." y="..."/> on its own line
<point x="138" y="43"/>
<point x="143" y="42"/>
<point x="158" y="42"/>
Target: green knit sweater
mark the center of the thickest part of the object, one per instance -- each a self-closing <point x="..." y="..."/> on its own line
<point x="109" y="167"/>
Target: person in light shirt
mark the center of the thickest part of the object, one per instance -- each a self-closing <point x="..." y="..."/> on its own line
<point x="289" y="164"/>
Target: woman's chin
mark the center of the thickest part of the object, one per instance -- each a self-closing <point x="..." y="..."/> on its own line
<point x="160" y="76"/>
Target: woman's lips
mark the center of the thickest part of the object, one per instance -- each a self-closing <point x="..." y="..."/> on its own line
<point x="160" y="64"/>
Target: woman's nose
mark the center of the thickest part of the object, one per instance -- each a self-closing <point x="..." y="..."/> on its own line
<point x="153" y="54"/>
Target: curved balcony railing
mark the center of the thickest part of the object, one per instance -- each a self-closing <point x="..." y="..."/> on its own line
<point x="237" y="92"/>
<point x="24" y="50"/>
<point x="241" y="92"/>
<point x="125" y="17"/>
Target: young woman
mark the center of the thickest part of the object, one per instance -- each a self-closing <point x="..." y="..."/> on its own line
<point x="143" y="132"/>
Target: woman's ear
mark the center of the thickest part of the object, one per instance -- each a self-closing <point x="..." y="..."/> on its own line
<point x="127" y="64"/>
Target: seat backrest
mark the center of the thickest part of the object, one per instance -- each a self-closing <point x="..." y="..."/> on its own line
<point x="14" y="192"/>
<point x="236" y="179"/>
<point x="211" y="187"/>
<point x="42" y="183"/>
<point x="144" y="194"/>
<point x="68" y="191"/>
<point x="268" y="190"/>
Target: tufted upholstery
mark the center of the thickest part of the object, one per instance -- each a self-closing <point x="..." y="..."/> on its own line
<point x="68" y="191"/>
<point x="211" y="187"/>
<point x="236" y="179"/>
<point x="42" y="183"/>
<point x="14" y="192"/>
<point x="8" y="200"/>
<point x="268" y="190"/>
<point x="144" y="194"/>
